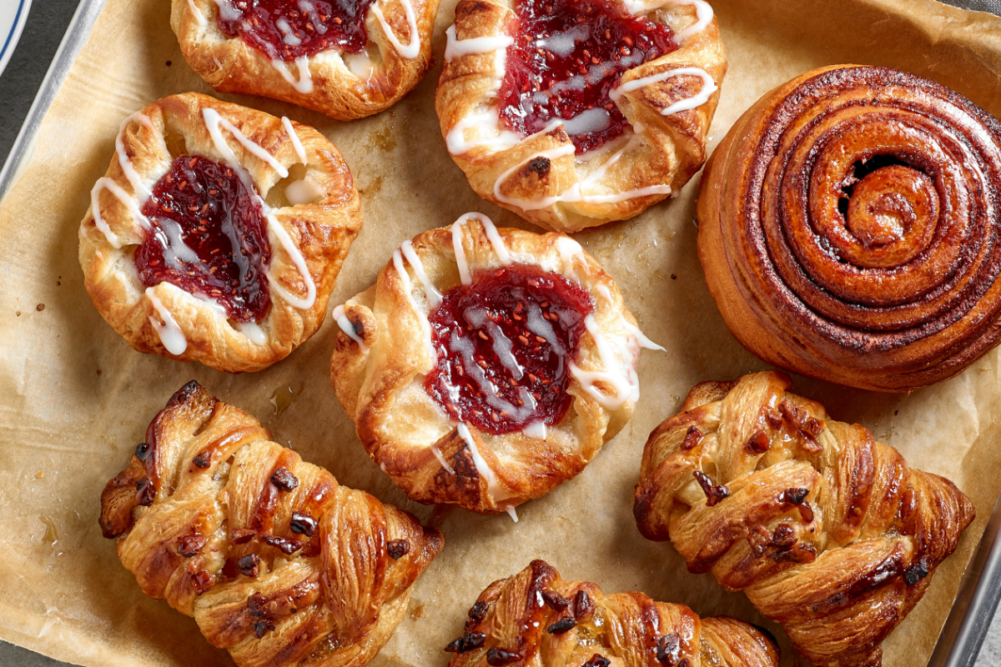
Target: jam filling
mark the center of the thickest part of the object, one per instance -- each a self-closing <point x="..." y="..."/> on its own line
<point x="208" y="236"/>
<point x="567" y="56"/>
<point x="504" y="344"/>
<point x="290" y="29"/>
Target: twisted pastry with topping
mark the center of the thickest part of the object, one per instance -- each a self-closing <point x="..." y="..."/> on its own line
<point x="487" y="366"/>
<point x="576" y="113"/>
<point x="276" y="562"/>
<point x="537" y="618"/>
<point x="849" y="228"/>
<point x="827" y="531"/>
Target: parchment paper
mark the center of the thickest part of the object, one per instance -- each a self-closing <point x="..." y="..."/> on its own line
<point x="74" y="398"/>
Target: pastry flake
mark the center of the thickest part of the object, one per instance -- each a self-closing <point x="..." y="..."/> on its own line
<point x="347" y="60"/>
<point x="217" y="232"/>
<point x="577" y="113"/>
<point x="486" y="366"/>
<point x="537" y="618"/>
<point x="275" y="561"/>
<point x="826" y="531"/>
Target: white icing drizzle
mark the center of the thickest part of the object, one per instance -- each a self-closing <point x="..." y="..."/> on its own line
<point x="431" y="293"/>
<point x="465" y="349"/>
<point x="227" y="11"/>
<point x="708" y="88"/>
<point x="177" y="244"/>
<point x="456" y="48"/>
<point x="492" y="235"/>
<point x="304" y="84"/>
<point x="289" y="38"/>
<point x="408" y="289"/>
<point x="479" y="317"/>
<point x="570" y="250"/>
<point x="347" y="327"/>
<point x="294" y="138"/>
<point x="300" y="264"/>
<point x="253" y="331"/>
<point x="105" y="183"/>
<point x="644" y="342"/>
<point x="131" y="174"/>
<point x="441" y="459"/>
<point x="703" y="12"/>
<point x="411" y="50"/>
<point x="170" y="333"/>
<point x="537" y="431"/>
<point x="213" y="121"/>
<point x="142" y="193"/>
<point x="622" y="378"/>
<point x="493" y="485"/>
<point x="198" y="14"/>
<point x="575" y="192"/>
<point x="456" y="137"/>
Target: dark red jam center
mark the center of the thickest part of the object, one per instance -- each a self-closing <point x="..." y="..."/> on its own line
<point x="504" y="344"/>
<point x="566" y="57"/>
<point x="208" y="236"/>
<point x="289" y="29"/>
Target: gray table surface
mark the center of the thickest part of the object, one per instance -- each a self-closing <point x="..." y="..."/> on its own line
<point x="47" y="22"/>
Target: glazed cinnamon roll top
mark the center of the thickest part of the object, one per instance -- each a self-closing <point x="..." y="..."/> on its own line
<point x="849" y="228"/>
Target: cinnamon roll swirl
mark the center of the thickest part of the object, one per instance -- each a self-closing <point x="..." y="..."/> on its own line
<point x="849" y="228"/>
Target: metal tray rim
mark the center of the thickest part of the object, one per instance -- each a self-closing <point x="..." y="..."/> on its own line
<point x="979" y="593"/>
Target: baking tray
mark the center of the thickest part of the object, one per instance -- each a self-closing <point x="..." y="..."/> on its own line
<point x="980" y="590"/>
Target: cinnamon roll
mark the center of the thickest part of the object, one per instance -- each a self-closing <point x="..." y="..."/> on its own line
<point x="848" y="228"/>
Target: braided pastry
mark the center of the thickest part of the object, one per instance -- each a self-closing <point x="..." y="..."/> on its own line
<point x="827" y="531"/>
<point x="849" y="228"/>
<point x="276" y="562"/>
<point x="573" y="123"/>
<point x="537" y="618"/>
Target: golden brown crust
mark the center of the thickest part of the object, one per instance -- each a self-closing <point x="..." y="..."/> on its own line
<point x="321" y="230"/>
<point x="230" y="65"/>
<point x="537" y="618"/>
<point x="381" y="384"/>
<point x="210" y="518"/>
<point x="668" y="152"/>
<point x="846" y="228"/>
<point x="827" y="531"/>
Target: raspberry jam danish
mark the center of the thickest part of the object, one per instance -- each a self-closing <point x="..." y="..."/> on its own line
<point x="217" y="233"/>
<point x="575" y="113"/>
<point x="276" y="562"/>
<point x="347" y="59"/>
<point x="487" y="366"/>
<point x="537" y="618"/>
